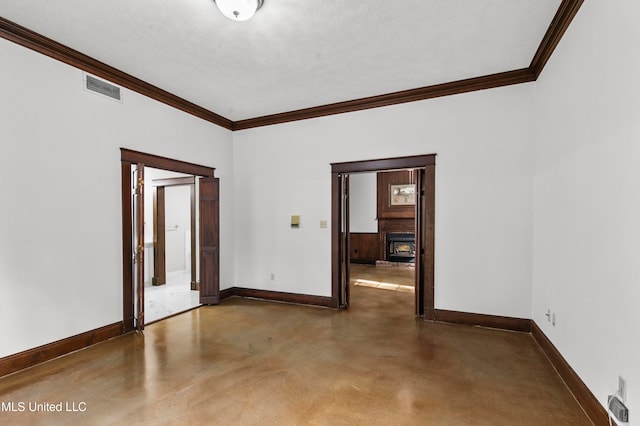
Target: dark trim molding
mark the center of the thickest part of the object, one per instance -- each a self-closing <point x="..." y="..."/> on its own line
<point x="127" y="246"/>
<point x="425" y="293"/>
<point x="34" y="41"/>
<point x="226" y="293"/>
<point x="180" y="181"/>
<point x="482" y="320"/>
<point x="445" y="89"/>
<point x="561" y="21"/>
<point x="589" y="403"/>
<point x="565" y="14"/>
<point x="31" y="40"/>
<point x="127" y="159"/>
<point x="276" y="296"/>
<point x="31" y="357"/>
<point x="410" y="162"/>
<point x="164" y="163"/>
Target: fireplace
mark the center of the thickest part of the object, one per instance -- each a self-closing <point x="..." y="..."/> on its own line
<point x="401" y="247"/>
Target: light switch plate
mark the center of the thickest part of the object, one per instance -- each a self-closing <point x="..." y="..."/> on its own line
<point x="622" y="388"/>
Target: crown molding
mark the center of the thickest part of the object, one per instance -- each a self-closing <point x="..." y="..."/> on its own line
<point x="561" y="21"/>
<point x="41" y="44"/>
<point x="445" y="89"/>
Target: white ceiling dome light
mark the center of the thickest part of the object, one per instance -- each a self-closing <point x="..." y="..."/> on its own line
<point x="238" y="10"/>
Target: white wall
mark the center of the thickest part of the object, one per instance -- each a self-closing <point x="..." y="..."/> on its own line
<point x="363" y="199"/>
<point x="61" y="250"/>
<point x="483" y="206"/>
<point x="178" y="228"/>
<point x="149" y="175"/>
<point x="537" y="195"/>
<point x="587" y="198"/>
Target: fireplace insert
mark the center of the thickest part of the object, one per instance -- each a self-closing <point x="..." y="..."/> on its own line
<point x="401" y="247"/>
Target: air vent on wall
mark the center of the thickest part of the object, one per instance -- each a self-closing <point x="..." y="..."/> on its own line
<point x="102" y="87"/>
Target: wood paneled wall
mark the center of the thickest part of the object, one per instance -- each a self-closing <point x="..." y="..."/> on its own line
<point x="385" y="209"/>
<point x="393" y="218"/>
<point x="364" y="247"/>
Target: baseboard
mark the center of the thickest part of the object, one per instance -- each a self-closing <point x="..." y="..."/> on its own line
<point x="589" y="403"/>
<point x="491" y="321"/>
<point x="31" y="357"/>
<point x="277" y="296"/>
<point x="226" y="293"/>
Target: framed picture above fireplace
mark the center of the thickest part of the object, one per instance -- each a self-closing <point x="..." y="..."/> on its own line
<point x="402" y="195"/>
<point x="396" y="195"/>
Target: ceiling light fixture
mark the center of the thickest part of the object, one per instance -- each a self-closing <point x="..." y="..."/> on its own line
<point x="238" y="10"/>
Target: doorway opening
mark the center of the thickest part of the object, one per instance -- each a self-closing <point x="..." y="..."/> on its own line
<point x="381" y="230"/>
<point x="134" y="242"/>
<point x="171" y="282"/>
<point x="405" y="228"/>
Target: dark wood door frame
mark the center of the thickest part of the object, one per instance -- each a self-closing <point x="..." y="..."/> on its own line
<point x="425" y="224"/>
<point x="159" y="240"/>
<point x="127" y="159"/>
<point x="209" y="200"/>
<point x="159" y="237"/>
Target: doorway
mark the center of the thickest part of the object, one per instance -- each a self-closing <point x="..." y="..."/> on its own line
<point x="133" y="230"/>
<point x="382" y="240"/>
<point x="423" y="169"/>
<point x="171" y="285"/>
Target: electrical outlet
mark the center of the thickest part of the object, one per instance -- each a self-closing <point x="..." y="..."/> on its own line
<point x="323" y="224"/>
<point x="548" y="314"/>
<point x="622" y="389"/>
<point x="618" y="409"/>
<point x="553" y="319"/>
<point x="273" y="276"/>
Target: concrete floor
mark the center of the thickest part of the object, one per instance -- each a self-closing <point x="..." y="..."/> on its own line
<point x="250" y="362"/>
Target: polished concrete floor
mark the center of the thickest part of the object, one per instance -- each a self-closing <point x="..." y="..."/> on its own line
<point x="250" y="362"/>
<point x="383" y="277"/>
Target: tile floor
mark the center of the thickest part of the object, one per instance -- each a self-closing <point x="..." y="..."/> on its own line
<point x="169" y="299"/>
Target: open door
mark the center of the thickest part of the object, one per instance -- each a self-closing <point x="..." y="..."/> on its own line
<point x="159" y="227"/>
<point x="209" y="241"/>
<point x="159" y="244"/>
<point x="344" y="242"/>
<point x="132" y="174"/>
<point x="424" y="168"/>
<point x="138" y="232"/>
<point x="419" y="241"/>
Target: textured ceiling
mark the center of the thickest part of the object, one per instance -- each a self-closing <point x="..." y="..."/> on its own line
<point x="293" y="54"/>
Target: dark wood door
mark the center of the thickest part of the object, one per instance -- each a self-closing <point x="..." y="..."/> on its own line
<point x="427" y="217"/>
<point x="159" y="228"/>
<point x="138" y="208"/>
<point x="344" y="246"/>
<point x="159" y="244"/>
<point x="209" y="241"/>
<point x="419" y="241"/>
